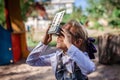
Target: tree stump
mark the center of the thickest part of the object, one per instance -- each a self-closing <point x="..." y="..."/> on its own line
<point x="109" y="48"/>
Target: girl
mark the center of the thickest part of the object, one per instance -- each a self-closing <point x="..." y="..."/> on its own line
<point x="70" y="60"/>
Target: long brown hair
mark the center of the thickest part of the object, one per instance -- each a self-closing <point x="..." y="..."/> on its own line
<point x="80" y="33"/>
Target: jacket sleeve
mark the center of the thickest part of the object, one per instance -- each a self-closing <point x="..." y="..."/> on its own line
<point x="40" y="55"/>
<point x="82" y="60"/>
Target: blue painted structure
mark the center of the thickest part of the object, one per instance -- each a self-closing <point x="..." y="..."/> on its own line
<point x="6" y="56"/>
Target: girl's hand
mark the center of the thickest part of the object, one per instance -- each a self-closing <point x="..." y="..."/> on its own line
<point x="67" y="37"/>
<point x="47" y="37"/>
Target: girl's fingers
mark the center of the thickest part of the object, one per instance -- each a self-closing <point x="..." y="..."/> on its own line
<point x="50" y="36"/>
<point x="47" y="29"/>
<point x="65" y="32"/>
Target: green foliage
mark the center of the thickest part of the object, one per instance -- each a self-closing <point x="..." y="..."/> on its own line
<point x="116" y="13"/>
<point x="26" y="6"/>
<point x="115" y="3"/>
<point x="109" y="9"/>
<point x="66" y="17"/>
<point x="115" y="23"/>
<point x="31" y="43"/>
<point x="114" y="19"/>
<point x="95" y="10"/>
<point x="83" y="19"/>
<point x="97" y="26"/>
<point x="76" y="14"/>
<point x="53" y="43"/>
<point x="2" y="14"/>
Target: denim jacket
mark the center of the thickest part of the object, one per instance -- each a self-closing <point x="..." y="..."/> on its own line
<point x="43" y="55"/>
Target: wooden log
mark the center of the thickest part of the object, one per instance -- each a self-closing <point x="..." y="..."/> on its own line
<point x="109" y="49"/>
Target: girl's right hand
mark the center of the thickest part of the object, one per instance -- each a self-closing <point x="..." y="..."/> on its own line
<point x="47" y="37"/>
<point x="67" y="37"/>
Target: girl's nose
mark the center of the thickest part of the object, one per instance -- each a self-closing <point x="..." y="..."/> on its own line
<point x="59" y="37"/>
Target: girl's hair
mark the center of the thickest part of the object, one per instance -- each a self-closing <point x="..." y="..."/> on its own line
<point x="81" y="32"/>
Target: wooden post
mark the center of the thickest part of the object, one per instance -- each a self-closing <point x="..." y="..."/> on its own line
<point x="17" y="24"/>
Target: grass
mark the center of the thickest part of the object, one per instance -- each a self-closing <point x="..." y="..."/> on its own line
<point x="31" y="43"/>
<point x="92" y="33"/>
<point x="53" y="43"/>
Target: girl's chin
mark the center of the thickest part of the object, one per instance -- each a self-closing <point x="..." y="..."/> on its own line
<point x="57" y="46"/>
<point x="61" y="47"/>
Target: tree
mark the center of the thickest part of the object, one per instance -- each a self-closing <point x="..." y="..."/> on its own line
<point x="95" y="9"/>
<point x="26" y="8"/>
<point x="109" y="9"/>
<point x="2" y="16"/>
<point x="76" y="14"/>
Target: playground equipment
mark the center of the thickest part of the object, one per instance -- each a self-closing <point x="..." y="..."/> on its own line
<point x="14" y="21"/>
<point x="13" y="40"/>
<point x="6" y="55"/>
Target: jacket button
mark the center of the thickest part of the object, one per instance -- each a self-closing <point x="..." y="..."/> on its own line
<point x="10" y="49"/>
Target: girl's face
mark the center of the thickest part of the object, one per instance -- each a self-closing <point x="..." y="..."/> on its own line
<point x="60" y="38"/>
<point x="60" y="43"/>
<point x="75" y="41"/>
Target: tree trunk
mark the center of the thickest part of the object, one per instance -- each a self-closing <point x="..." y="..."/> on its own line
<point x="109" y="48"/>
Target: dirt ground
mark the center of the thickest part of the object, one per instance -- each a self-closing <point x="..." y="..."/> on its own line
<point x="22" y="71"/>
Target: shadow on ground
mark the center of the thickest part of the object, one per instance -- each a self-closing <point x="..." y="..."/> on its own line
<point x="22" y="71"/>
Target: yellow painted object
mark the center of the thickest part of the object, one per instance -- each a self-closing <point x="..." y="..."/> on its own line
<point x="18" y="25"/>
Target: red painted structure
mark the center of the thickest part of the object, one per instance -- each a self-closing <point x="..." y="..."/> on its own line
<point x="16" y="47"/>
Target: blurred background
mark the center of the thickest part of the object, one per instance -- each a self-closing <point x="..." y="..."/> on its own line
<point x="23" y="23"/>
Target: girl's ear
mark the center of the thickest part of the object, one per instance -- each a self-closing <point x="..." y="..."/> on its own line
<point x="78" y="42"/>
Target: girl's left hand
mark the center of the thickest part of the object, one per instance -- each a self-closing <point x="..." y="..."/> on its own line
<point x="67" y="37"/>
<point x="47" y="37"/>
